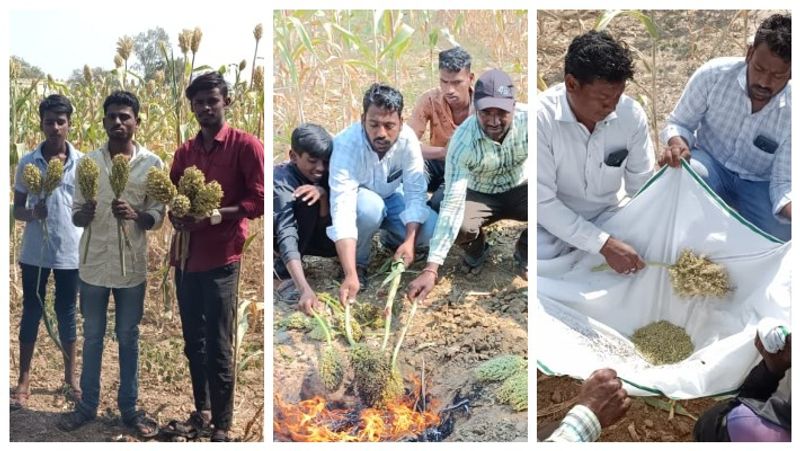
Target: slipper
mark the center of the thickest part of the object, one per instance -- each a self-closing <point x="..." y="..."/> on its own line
<point x="288" y="292"/>
<point x="144" y="425"/>
<point x="190" y="429"/>
<point x="220" y="435"/>
<point x="19" y="400"/>
<point x="71" y="421"/>
<point x="473" y="265"/>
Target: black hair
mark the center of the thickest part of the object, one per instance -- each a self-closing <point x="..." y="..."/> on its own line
<point x="597" y="56"/>
<point x="776" y="32"/>
<point x="55" y="103"/>
<point x="454" y="60"/>
<point x="385" y="97"/>
<point x="206" y="82"/>
<point x="124" y="98"/>
<point x="313" y="140"/>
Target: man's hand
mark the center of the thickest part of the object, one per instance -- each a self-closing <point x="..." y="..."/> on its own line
<point x="349" y="289"/>
<point x="84" y="216"/>
<point x="309" y="303"/>
<point x="421" y="286"/>
<point x="786" y="211"/>
<point x="188" y="223"/>
<point x="310" y="194"/>
<point x="621" y="257"/>
<point x="123" y="210"/>
<point x="405" y="252"/>
<point x="779" y="362"/>
<point x="39" y="210"/>
<point x="677" y="148"/>
<point x="602" y="392"/>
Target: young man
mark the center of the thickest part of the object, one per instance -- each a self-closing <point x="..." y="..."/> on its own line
<point x="486" y="180"/>
<point x="207" y="288"/>
<point x="370" y="160"/>
<point x="736" y="117"/>
<point x="57" y="253"/>
<point x="443" y="109"/>
<point x="101" y="270"/>
<point x="590" y="137"/>
<point x="301" y="212"/>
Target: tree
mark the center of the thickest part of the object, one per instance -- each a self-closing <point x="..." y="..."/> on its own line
<point x="147" y="51"/>
<point x="26" y="70"/>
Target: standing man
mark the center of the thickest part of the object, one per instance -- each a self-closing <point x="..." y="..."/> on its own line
<point x="443" y="109"/>
<point x="736" y="117"/>
<point x="486" y="180"/>
<point x="590" y="137"/>
<point x="207" y="289"/>
<point x="101" y="270"/>
<point x="301" y="212"/>
<point x="371" y="159"/>
<point x="57" y="253"/>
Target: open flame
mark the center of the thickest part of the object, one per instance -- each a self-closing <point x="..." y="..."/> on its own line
<point x="312" y="421"/>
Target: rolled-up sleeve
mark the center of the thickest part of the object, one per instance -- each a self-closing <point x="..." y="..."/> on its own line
<point x="344" y="190"/>
<point x="641" y="160"/>
<point x="415" y="186"/>
<point x="780" y="185"/>
<point x="686" y="117"/>
<point x="253" y="165"/>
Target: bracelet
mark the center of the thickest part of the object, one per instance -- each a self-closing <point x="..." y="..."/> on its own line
<point x="435" y="274"/>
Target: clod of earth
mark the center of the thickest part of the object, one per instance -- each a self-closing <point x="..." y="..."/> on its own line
<point x="662" y="343"/>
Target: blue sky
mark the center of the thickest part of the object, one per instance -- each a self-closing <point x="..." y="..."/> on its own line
<point x="59" y="41"/>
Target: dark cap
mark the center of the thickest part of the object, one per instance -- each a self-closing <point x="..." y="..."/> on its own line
<point x="494" y="89"/>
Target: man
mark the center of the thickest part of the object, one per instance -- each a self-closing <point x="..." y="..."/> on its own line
<point x="371" y="159"/>
<point x="301" y="212"/>
<point x="486" y="180"/>
<point x="207" y="288"/>
<point x="760" y="412"/>
<point x="443" y="108"/>
<point x="601" y="403"/>
<point x="590" y="138"/>
<point x="101" y="269"/>
<point x="42" y="254"/>
<point x="736" y="117"/>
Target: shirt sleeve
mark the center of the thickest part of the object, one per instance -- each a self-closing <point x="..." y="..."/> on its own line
<point x="451" y="210"/>
<point x="19" y="182"/>
<point x="284" y="222"/>
<point x="641" y="159"/>
<point x="420" y="116"/>
<point x="415" y="186"/>
<point x="344" y="189"/>
<point x="552" y="214"/>
<point x="685" y="118"/>
<point x="580" y="425"/>
<point x="780" y="185"/>
<point x="252" y="166"/>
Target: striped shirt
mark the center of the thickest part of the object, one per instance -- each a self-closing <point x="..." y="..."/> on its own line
<point x="580" y="425"/>
<point x="477" y="162"/>
<point x="355" y="165"/>
<point x="715" y="114"/>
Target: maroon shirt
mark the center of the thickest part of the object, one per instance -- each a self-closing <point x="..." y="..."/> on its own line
<point x="237" y="163"/>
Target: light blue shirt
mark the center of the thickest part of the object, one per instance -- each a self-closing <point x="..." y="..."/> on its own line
<point x="355" y="165"/>
<point x="715" y="114"/>
<point x="60" y="251"/>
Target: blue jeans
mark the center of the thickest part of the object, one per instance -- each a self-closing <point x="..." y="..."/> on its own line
<point x="66" y="281"/>
<point x="751" y="199"/>
<point x="375" y="213"/>
<point x="129" y="307"/>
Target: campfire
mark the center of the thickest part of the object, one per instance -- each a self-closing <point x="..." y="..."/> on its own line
<point x="411" y="417"/>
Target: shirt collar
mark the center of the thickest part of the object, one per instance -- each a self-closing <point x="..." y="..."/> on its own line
<point x="220" y="137"/>
<point x="38" y="155"/>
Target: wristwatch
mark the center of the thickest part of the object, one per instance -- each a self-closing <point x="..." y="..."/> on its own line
<point x="216" y="217"/>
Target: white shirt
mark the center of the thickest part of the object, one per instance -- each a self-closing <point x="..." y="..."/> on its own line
<point x="355" y="165"/>
<point x="574" y="185"/>
<point x="715" y="114"/>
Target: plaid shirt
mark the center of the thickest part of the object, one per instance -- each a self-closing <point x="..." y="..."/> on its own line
<point x="714" y="114"/>
<point x="355" y="165"/>
<point x="580" y="425"/>
<point x="477" y="162"/>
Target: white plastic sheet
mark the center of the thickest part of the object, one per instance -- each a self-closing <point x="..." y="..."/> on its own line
<point x="583" y="319"/>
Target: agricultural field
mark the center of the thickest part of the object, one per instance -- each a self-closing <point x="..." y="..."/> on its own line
<point x="323" y="63"/>
<point x="669" y="46"/>
<point x="164" y="382"/>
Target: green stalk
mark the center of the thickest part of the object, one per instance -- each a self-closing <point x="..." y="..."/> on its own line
<point x="86" y="244"/>
<point x="48" y="321"/>
<point x="120" y="234"/>
<point x="393" y="279"/>
<point x="403" y="333"/>
<point x="348" y="328"/>
<point x="323" y="324"/>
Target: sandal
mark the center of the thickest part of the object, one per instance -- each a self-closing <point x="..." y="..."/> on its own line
<point x="473" y="265"/>
<point x="190" y="429"/>
<point x="19" y="399"/>
<point x="71" y="421"/>
<point x="144" y="425"/>
<point x="220" y="435"/>
<point x="288" y="292"/>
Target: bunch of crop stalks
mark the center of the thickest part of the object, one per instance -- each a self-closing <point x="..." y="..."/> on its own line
<point x="512" y="370"/>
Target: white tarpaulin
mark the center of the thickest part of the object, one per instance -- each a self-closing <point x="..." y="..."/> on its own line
<point x="584" y="319"/>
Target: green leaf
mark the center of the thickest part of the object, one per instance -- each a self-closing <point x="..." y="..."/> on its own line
<point x="304" y="36"/>
<point x="459" y="23"/>
<point x="604" y="19"/>
<point x="647" y="21"/>
<point x="248" y="241"/>
<point x="433" y="38"/>
<point x="400" y="42"/>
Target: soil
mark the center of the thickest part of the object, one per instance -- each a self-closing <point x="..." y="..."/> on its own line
<point x="164" y="385"/>
<point x="687" y="39"/>
<point x="471" y="319"/>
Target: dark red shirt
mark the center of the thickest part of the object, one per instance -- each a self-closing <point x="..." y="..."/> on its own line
<point x="237" y="163"/>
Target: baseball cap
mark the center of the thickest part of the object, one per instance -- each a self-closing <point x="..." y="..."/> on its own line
<point x="494" y="89"/>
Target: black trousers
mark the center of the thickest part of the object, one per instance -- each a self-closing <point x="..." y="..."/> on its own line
<point x="482" y="209"/>
<point x="312" y="236"/>
<point x="711" y="426"/>
<point x="207" y="302"/>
